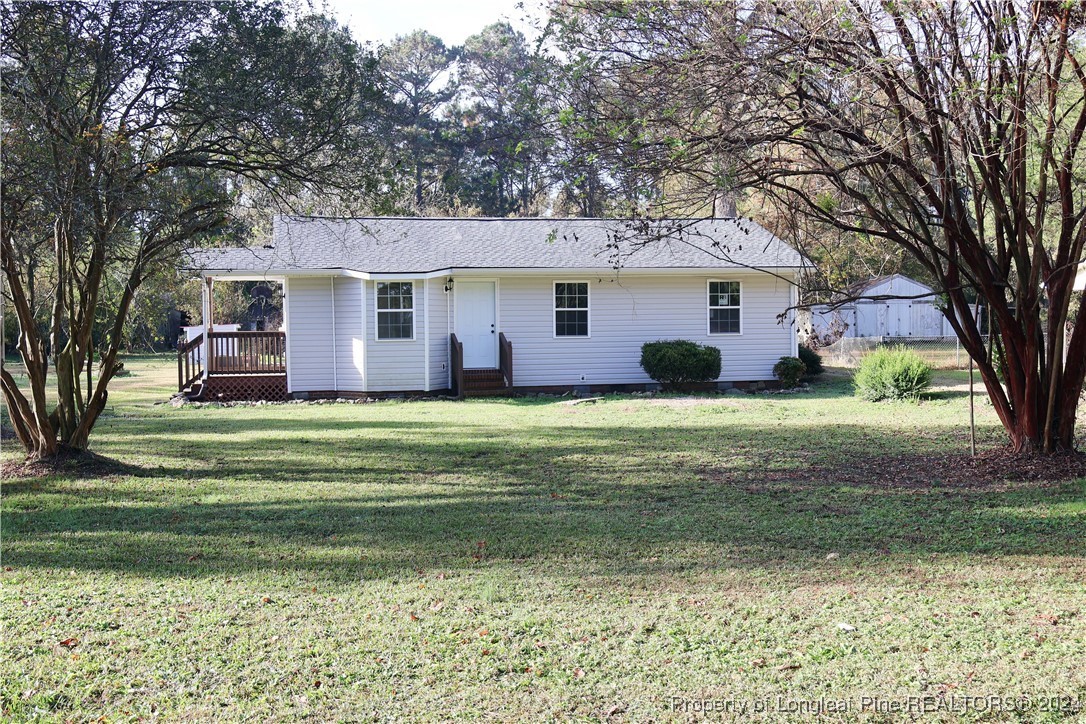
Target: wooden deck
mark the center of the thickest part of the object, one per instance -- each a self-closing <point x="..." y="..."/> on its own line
<point x="253" y="366"/>
<point x="239" y="366"/>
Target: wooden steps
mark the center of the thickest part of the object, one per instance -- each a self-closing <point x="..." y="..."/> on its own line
<point x="484" y="383"/>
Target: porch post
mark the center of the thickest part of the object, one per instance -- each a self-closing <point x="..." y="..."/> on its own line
<point x="206" y="292"/>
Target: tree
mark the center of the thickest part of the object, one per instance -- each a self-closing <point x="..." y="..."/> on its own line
<point x="952" y="131"/>
<point x="418" y="69"/>
<point x="130" y="128"/>
<point x="499" y="118"/>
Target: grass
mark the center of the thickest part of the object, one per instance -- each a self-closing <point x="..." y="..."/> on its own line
<point x="518" y="559"/>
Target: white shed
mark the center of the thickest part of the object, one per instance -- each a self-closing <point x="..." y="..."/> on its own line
<point x="888" y="306"/>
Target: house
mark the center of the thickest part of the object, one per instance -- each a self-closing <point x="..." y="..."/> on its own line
<point x="428" y="305"/>
<point x="886" y="306"/>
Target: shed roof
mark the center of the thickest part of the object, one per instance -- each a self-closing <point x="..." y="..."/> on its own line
<point x="395" y="245"/>
<point x="873" y="287"/>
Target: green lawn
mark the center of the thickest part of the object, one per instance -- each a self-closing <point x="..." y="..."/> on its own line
<point x="520" y="559"/>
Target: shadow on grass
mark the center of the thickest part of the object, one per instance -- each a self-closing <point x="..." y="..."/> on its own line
<point x="382" y="498"/>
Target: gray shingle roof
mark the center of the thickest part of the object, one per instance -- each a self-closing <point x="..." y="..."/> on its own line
<point x="419" y="245"/>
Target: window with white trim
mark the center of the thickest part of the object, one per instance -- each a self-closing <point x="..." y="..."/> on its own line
<point x="571" y="309"/>
<point x="395" y="310"/>
<point x="724" y="306"/>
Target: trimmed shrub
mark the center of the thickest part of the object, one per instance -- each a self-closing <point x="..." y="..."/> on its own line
<point x="811" y="360"/>
<point x="892" y="373"/>
<point x="677" y="363"/>
<point x="789" y="370"/>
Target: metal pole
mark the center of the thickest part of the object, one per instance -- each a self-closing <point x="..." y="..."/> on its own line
<point x="972" y="413"/>
<point x="972" y="418"/>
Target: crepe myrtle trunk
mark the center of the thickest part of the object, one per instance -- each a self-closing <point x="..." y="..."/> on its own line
<point x="1034" y="380"/>
<point x="66" y="428"/>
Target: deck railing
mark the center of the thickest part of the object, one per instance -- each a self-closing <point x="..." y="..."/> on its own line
<point x="456" y="365"/>
<point x="505" y="358"/>
<point x="190" y="364"/>
<point x="246" y="353"/>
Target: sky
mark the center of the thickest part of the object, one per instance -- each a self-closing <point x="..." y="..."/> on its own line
<point x="453" y="21"/>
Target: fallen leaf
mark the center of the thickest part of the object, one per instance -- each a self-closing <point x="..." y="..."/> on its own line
<point x="788" y="667"/>
<point x="70" y="643"/>
<point x="758" y="663"/>
<point x="437" y="605"/>
<point x="414" y="617"/>
<point x="578" y="673"/>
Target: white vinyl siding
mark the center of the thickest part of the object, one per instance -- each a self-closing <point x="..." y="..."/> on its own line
<point x="309" y="338"/>
<point x="625" y="312"/>
<point x="395" y="365"/>
<point x="350" y="360"/>
<point x="437" y="317"/>
<point x="630" y="310"/>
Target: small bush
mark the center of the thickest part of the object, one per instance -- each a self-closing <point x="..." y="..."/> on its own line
<point x="892" y="373"/>
<point x="789" y="370"/>
<point x="811" y="360"/>
<point x="677" y="363"/>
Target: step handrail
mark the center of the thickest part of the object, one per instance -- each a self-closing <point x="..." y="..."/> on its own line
<point x="456" y="365"/>
<point x="505" y="359"/>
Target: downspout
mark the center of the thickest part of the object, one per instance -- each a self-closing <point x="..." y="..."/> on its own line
<point x="448" y="327"/>
<point x="335" y="362"/>
<point x="794" y="299"/>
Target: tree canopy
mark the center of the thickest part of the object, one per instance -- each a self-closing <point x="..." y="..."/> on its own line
<point x="130" y="130"/>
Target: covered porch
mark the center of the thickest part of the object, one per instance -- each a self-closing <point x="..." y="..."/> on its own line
<point x="225" y="363"/>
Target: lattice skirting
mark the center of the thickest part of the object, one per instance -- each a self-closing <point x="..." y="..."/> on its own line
<point x="238" y="388"/>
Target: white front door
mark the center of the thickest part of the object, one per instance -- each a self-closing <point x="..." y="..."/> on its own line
<point x="476" y="323"/>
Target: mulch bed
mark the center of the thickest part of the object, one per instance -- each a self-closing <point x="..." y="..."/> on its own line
<point x="69" y="464"/>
